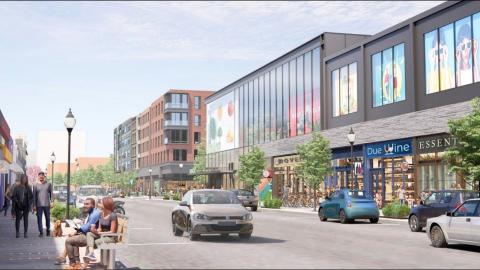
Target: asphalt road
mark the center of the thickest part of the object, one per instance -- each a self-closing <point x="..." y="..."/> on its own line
<point x="284" y="240"/>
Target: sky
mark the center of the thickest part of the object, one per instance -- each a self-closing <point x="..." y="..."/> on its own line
<point x="110" y="60"/>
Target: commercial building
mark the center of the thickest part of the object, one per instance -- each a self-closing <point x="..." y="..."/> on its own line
<point x="124" y="149"/>
<point x="167" y="135"/>
<point x="396" y="89"/>
<point x="6" y="157"/>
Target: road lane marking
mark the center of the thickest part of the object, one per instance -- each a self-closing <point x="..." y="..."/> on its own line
<point x="157" y="244"/>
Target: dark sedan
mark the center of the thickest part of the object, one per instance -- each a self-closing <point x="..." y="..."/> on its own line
<point x="437" y="204"/>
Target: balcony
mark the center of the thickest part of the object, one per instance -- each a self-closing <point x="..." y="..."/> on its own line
<point x="175" y="123"/>
<point x="176" y="106"/>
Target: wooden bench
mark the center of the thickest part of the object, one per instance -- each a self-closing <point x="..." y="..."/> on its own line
<point x="107" y="251"/>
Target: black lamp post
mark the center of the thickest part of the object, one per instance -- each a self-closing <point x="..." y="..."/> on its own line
<point x="69" y="125"/>
<point x="52" y="158"/>
<point x="150" y="188"/>
<point x="351" y="140"/>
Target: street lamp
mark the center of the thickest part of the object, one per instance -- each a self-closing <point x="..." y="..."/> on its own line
<point x="52" y="158"/>
<point x="69" y="125"/>
<point x="150" y="188"/>
<point x="351" y="140"/>
<point x="181" y="176"/>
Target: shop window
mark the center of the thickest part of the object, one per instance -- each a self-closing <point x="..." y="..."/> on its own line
<point x="450" y="56"/>
<point x="344" y="90"/>
<point x="388" y="75"/>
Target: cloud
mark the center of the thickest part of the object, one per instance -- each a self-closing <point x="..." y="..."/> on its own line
<point x="194" y="30"/>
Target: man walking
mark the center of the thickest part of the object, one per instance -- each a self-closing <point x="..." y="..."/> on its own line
<point x="42" y="196"/>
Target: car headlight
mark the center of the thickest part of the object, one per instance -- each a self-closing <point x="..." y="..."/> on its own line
<point x="248" y="217"/>
<point x="200" y="216"/>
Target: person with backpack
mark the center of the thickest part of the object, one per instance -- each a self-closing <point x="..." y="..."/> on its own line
<point x="22" y="198"/>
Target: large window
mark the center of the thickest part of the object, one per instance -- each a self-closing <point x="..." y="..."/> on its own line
<point x="344" y="90"/>
<point x="300" y="97"/>
<point x="197" y="101"/>
<point x="308" y="92"/>
<point x="388" y="76"/>
<point x="273" y="106"/>
<point x="316" y="88"/>
<point x="280" y="97"/>
<point x="267" y="107"/>
<point x="240" y="117"/>
<point x="179" y="155"/>
<point x="176" y="136"/>
<point x="251" y="109"/>
<point x="255" y="111"/>
<point x="292" y="128"/>
<point x="261" y="109"/>
<point x="451" y="55"/>
<point x="286" y="99"/>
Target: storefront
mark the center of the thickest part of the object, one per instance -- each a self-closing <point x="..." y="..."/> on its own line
<point x="343" y="169"/>
<point x="432" y="170"/>
<point x="285" y="175"/>
<point x="390" y="168"/>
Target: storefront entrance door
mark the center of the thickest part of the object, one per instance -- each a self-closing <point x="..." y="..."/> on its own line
<point x="378" y="181"/>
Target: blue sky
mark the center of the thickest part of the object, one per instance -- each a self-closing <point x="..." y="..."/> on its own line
<point x="109" y="60"/>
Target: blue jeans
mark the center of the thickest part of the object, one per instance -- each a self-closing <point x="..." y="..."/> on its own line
<point x="40" y="211"/>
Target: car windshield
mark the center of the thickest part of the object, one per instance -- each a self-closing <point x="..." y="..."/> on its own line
<point x="60" y="188"/>
<point x="244" y="193"/>
<point x="91" y="192"/>
<point x="358" y="194"/>
<point x="215" y="197"/>
<point x="471" y="195"/>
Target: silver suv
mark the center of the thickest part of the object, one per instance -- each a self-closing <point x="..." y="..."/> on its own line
<point x="247" y="197"/>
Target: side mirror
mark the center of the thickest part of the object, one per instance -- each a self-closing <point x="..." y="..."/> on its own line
<point x="184" y="203"/>
<point x="449" y="214"/>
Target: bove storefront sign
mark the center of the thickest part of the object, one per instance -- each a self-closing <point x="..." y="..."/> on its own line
<point x="401" y="147"/>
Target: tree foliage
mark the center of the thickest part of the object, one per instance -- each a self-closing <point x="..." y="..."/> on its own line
<point x="315" y="162"/>
<point x="200" y="164"/>
<point x="464" y="157"/>
<point x="251" y="168"/>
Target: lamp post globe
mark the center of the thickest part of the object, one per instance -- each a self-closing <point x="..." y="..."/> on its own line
<point x="351" y="139"/>
<point x="52" y="159"/>
<point x="69" y="122"/>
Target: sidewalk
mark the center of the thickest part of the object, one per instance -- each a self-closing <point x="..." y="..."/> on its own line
<point x="30" y="253"/>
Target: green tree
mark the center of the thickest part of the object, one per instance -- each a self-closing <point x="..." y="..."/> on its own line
<point x="59" y="179"/>
<point x="464" y="157"/>
<point x="315" y="162"/>
<point x="251" y="168"/>
<point x="200" y="164"/>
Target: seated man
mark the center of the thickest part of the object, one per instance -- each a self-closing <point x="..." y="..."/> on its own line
<point x="79" y="239"/>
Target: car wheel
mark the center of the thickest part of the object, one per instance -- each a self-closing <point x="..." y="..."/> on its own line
<point x="191" y="235"/>
<point x="254" y="208"/>
<point x="321" y="215"/>
<point x="437" y="237"/>
<point x="176" y="231"/>
<point x="245" y="236"/>
<point x="413" y="223"/>
<point x="374" y="220"/>
<point x="343" y="217"/>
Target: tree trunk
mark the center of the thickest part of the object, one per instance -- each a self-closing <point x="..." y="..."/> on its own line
<point x="314" y="199"/>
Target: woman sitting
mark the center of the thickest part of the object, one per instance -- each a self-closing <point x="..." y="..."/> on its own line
<point x="108" y="223"/>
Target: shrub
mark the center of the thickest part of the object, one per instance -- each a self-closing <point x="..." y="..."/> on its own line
<point x="59" y="211"/>
<point x="166" y="196"/>
<point x="177" y="196"/>
<point x="396" y="210"/>
<point x="272" y="203"/>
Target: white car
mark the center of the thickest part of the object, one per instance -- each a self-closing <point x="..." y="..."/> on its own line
<point x="93" y="191"/>
<point x="460" y="226"/>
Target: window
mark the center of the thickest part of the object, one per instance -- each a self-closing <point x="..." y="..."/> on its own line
<point x="449" y="55"/>
<point x="261" y="109"/>
<point x="467" y="209"/>
<point x="316" y="88"/>
<point x="300" y="97"/>
<point x="196" y="120"/>
<point x="286" y="114"/>
<point x="240" y="117"/>
<point x="268" y="116"/>
<point x="196" y="102"/>
<point x="388" y="75"/>
<point x="344" y="90"/>
<point x="179" y="154"/>
<point x="292" y="109"/>
<point x="280" y="96"/>
<point x="196" y="137"/>
<point x="255" y="111"/>
<point x="250" y="113"/>
<point x="177" y="136"/>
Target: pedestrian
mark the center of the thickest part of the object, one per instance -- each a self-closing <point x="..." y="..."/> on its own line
<point x="8" y="199"/>
<point x="378" y="199"/>
<point x="22" y="198"/>
<point x="401" y="195"/>
<point x="42" y="198"/>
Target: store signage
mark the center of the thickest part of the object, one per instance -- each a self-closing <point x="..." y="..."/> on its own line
<point x="281" y="163"/>
<point x="389" y="149"/>
<point x="4" y="128"/>
<point x="436" y="143"/>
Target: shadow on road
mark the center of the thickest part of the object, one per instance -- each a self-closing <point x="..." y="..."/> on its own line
<point x="235" y="240"/>
<point x="465" y="248"/>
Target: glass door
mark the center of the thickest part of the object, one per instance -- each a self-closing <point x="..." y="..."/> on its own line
<point x="378" y="182"/>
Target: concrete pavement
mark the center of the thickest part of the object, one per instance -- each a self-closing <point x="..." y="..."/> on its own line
<point x="284" y="239"/>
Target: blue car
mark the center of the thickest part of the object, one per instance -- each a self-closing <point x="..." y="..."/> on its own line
<point x="348" y="205"/>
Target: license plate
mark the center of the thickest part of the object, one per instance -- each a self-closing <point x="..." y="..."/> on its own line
<point x="227" y="223"/>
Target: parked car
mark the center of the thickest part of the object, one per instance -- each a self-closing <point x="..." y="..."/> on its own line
<point x="247" y="197"/>
<point x="348" y="205"/>
<point x="208" y="211"/>
<point x="60" y="194"/>
<point x="460" y="226"/>
<point x="93" y="191"/>
<point x="438" y="203"/>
